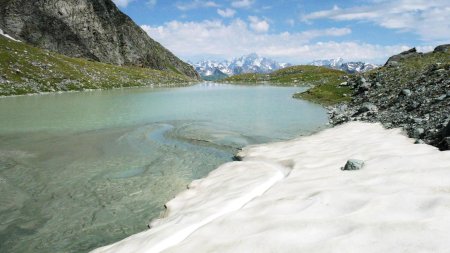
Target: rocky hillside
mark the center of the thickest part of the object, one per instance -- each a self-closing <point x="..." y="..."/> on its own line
<point x="411" y="91"/>
<point x="92" y="29"/>
<point x="25" y="69"/>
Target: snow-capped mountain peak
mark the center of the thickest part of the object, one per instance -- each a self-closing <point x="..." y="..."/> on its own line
<point x="251" y="63"/>
<point x="349" y="67"/>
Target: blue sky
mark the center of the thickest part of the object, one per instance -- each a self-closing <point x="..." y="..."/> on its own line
<point x="292" y="31"/>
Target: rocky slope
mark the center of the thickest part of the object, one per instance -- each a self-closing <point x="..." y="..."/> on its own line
<point x="25" y="69"/>
<point x="411" y="91"/>
<point x="92" y="29"/>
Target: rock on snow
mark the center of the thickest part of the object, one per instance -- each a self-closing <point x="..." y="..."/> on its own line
<point x="353" y="164"/>
<point x="292" y="197"/>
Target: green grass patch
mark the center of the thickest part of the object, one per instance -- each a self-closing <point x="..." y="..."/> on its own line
<point x="325" y="82"/>
<point x="326" y="94"/>
<point x="407" y="69"/>
<point x="26" y="69"/>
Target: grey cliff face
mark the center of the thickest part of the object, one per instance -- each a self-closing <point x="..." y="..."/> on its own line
<point x="93" y="29"/>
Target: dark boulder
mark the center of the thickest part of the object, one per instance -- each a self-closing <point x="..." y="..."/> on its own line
<point x="406" y="92"/>
<point x="446" y="130"/>
<point x="418" y="132"/>
<point x="365" y="86"/>
<point x="442" y="48"/>
<point x="394" y="60"/>
<point x="367" y="107"/>
<point x="353" y="164"/>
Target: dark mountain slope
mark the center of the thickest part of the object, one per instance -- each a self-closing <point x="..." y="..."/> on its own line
<point x="93" y="29"/>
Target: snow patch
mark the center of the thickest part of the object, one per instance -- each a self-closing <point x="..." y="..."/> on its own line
<point x="7" y="36"/>
<point x="293" y="197"/>
<point x="206" y="200"/>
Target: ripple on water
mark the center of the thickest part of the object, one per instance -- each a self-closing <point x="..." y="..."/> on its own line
<point x="82" y="170"/>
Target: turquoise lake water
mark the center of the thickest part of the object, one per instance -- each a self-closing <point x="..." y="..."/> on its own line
<point x="81" y="170"/>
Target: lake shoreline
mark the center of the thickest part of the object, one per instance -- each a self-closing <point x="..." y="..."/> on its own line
<point x="180" y="85"/>
<point x="97" y="166"/>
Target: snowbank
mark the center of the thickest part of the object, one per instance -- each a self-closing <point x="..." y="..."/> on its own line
<point x="7" y="36"/>
<point x="293" y="197"/>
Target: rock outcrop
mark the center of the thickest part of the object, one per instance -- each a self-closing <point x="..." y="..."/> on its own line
<point x="413" y="94"/>
<point x="442" y="48"/>
<point x="393" y="60"/>
<point x="93" y="29"/>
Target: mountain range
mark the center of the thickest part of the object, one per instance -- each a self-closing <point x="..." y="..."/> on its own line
<point x="252" y="63"/>
<point x="349" y="67"/>
<point x="211" y="70"/>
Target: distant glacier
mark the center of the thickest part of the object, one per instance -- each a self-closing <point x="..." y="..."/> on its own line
<point x="212" y="70"/>
<point x="349" y="67"/>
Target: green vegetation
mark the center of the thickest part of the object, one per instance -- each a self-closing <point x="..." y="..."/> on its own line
<point x="26" y="69"/>
<point x="325" y="82"/>
<point x="215" y="77"/>
<point x="249" y="78"/>
<point x="326" y="94"/>
<point x="406" y="70"/>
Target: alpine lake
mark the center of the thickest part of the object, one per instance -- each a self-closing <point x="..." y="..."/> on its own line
<point x="82" y="170"/>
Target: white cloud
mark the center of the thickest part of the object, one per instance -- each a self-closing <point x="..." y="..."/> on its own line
<point x="290" y="22"/>
<point x="215" y="39"/>
<point x="258" y="25"/>
<point x="226" y="13"/>
<point x="151" y="3"/>
<point x="195" y="4"/>
<point x="335" y="32"/>
<point x="242" y="3"/>
<point x="122" y="3"/>
<point x="332" y="50"/>
<point x="427" y="18"/>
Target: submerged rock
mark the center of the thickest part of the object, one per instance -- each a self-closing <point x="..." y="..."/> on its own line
<point x="353" y="164"/>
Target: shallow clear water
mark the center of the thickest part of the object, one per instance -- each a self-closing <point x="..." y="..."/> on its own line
<point x="81" y="170"/>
